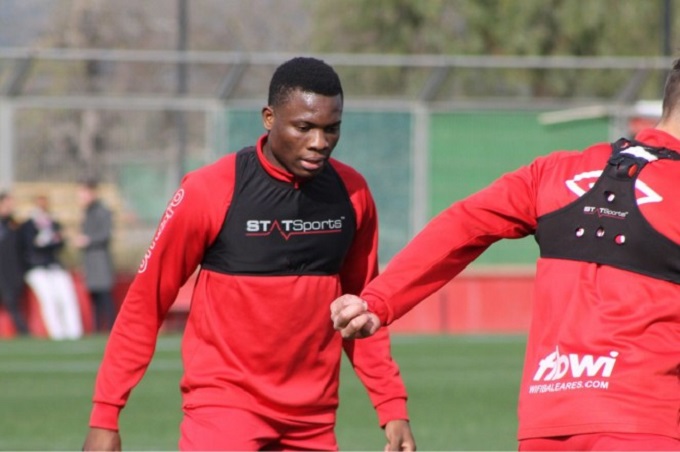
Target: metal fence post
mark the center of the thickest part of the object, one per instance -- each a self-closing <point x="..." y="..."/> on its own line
<point x="6" y="143"/>
<point x="420" y="159"/>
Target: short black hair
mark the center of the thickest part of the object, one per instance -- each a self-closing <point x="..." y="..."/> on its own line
<point x="671" y="96"/>
<point x="90" y="183"/>
<point x="304" y="73"/>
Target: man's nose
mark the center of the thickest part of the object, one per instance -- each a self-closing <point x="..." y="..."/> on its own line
<point x="318" y="140"/>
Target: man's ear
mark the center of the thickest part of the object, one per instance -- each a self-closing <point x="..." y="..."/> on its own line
<point x="268" y="117"/>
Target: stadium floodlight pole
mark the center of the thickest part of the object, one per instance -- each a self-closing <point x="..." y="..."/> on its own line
<point x="6" y="143"/>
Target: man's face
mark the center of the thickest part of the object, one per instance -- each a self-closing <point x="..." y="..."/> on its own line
<point x="42" y="202"/>
<point x="303" y="131"/>
<point x="85" y="196"/>
<point x="6" y="206"/>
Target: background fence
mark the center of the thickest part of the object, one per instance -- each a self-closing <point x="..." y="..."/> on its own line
<point x="419" y="152"/>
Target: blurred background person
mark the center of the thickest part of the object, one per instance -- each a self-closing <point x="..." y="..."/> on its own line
<point x="51" y="283"/>
<point x="11" y="264"/>
<point x="94" y="240"/>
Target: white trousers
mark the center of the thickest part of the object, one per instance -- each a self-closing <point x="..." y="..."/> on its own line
<point x="56" y="294"/>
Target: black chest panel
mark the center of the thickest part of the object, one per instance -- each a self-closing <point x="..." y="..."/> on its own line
<point x="273" y="228"/>
<point x="605" y="225"/>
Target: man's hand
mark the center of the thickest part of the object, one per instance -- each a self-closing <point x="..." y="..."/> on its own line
<point x="351" y="317"/>
<point x="399" y="436"/>
<point x="101" y="439"/>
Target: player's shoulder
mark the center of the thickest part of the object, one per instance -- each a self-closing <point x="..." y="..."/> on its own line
<point x="212" y="179"/>
<point x="596" y="154"/>
<point x="221" y="164"/>
<point x="217" y="170"/>
<point x="352" y="178"/>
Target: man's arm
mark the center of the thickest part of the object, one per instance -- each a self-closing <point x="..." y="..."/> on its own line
<point x="187" y="227"/>
<point x="373" y="364"/>
<point x="453" y="239"/>
<point x="371" y="359"/>
<point x="102" y="439"/>
<point x="399" y="436"/>
<point x="102" y="221"/>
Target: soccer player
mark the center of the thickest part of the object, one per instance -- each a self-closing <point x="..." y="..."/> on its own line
<point x="602" y="362"/>
<point x="279" y="230"/>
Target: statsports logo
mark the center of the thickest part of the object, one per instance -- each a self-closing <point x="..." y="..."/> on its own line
<point x="291" y="227"/>
<point x="604" y="212"/>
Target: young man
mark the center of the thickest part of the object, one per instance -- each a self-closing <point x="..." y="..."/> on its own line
<point x="602" y="363"/>
<point x="279" y="230"/>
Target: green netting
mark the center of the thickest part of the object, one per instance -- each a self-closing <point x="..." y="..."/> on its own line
<point x="243" y="129"/>
<point x="146" y="187"/>
<point x="468" y="150"/>
<point x="378" y="144"/>
<point x="143" y="187"/>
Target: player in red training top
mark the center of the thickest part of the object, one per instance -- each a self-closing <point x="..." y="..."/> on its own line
<point x="603" y="353"/>
<point x="279" y="230"/>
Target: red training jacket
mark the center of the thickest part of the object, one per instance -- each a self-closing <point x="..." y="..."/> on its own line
<point x="260" y="343"/>
<point x="603" y="352"/>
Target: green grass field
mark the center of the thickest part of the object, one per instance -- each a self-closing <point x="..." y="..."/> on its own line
<point x="462" y="390"/>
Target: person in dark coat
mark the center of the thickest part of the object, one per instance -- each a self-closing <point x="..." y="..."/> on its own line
<point x="94" y="241"/>
<point x="11" y="264"/>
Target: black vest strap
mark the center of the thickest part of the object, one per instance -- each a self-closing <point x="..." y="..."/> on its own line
<point x="605" y="225"/>
<point x="630" y="156"/>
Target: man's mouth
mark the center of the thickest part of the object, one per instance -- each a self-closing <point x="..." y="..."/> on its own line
<point x="312" y="164"/>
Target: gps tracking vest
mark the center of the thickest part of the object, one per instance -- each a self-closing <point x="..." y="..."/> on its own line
<point x="274" y="228"/>
<point x="605" y="225"/>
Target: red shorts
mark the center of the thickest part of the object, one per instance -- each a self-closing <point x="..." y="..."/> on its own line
<point x="223" y="428"/>
<point x="602" y="441"/>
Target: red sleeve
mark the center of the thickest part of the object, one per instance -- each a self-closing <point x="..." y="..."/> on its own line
<point x="361" y="263"/>
<point x="371" y="358"/>
<point x="453" y="239"/>
<point x="190" y="223"/>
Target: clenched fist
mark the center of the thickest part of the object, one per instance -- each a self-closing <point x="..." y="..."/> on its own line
<point x="351" y="317"/>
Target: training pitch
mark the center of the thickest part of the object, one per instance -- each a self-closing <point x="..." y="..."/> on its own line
<point x="462" y="395"/>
